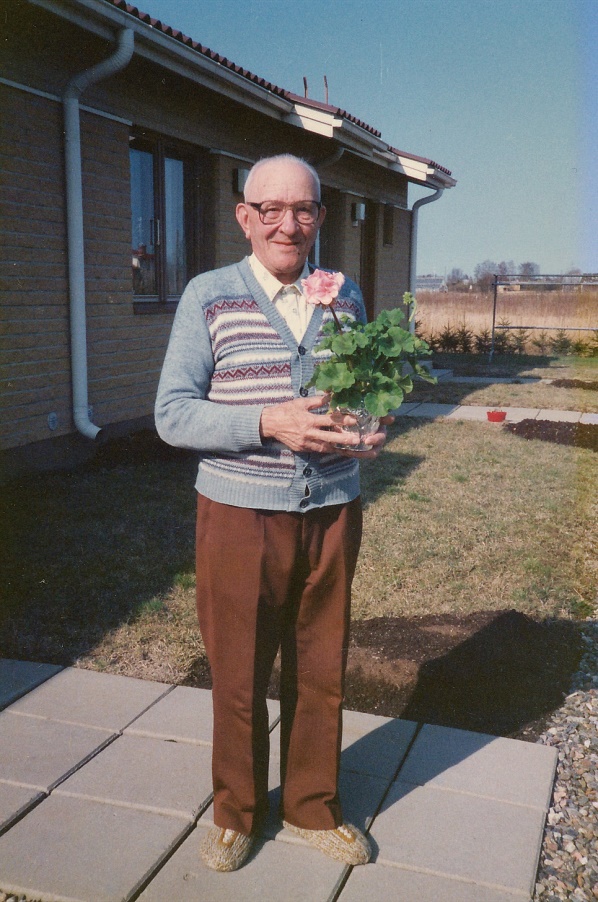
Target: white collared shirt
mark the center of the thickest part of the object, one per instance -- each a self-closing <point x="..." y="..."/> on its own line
<point x="288" y="299"/>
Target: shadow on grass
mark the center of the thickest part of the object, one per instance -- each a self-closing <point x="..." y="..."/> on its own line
<point x="497" y="672"/>
<point x="83" y="550"/>
<point x="389" y="472"/>
<point x="86" y="550"/>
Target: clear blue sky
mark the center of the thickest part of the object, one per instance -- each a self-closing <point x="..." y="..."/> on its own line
<point x="502" y="92"/>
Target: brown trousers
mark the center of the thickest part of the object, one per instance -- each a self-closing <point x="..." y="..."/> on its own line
<point x="268" y="580"/>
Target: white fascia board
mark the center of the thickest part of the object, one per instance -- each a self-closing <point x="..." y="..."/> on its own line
<point x="328" y="124"/>
<point x="319" y="124"/>
<point x="419" y="171"/>
<point x="101" y="19"/>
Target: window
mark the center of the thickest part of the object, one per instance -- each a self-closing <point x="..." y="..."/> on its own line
<point x="164" y="220"/>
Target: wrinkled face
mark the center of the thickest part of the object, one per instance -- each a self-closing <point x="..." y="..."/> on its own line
<point x="282" y="248"/>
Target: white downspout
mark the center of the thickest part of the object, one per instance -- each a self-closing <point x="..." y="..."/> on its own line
<point x="413" y="243"/>
<point x="74" y="212"/>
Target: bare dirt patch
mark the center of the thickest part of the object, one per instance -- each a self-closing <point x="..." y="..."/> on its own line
<point x="496" y="672"/>
<point x="575" y="383"/>
<point x="579" y="435"/>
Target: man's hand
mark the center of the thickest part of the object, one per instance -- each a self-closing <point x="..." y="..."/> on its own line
<point x="294" y="425"/>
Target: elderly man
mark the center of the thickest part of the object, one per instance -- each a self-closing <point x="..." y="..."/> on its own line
<point x="278" y="518"/>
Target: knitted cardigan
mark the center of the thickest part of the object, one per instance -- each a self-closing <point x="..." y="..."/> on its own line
<point x="230" y="354"/>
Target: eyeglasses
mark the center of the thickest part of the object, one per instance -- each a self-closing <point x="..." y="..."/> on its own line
<point x="270" y="212"/>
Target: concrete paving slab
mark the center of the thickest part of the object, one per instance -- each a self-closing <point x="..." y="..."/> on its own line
<point x="15" y="801"/>
<point x="92" y="699"/>
<point x="559" y="416"/>
<point x="167" y="777"/>
<point x="375" y="750"/>
<point x="377" y="882"/>
<point x="469" y="412"/>
<point x="405" y="409"/>
<point x="441" y="375"/>
<point x="184" y="715"/>
<point x="495" y="380"/>
<point x="74" y="850"/>
<point x="590" y="419"/>
<point x="432" y="411"/>
<point x="41" y="753"/>
<point x="460" y="836"/>
<point x="276" y="872"/>
<point x="504" y="769"/>
<point x="518" y="414"/>
<point x="19" y="677"/>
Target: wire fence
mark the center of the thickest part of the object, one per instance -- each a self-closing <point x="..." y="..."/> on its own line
<point x="568" y="284"/>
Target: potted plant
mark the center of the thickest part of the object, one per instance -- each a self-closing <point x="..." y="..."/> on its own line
<point x="370" y="366"/>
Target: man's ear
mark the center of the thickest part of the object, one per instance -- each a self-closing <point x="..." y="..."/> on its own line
<point x="321" y="217"/>
<point x="242" y="214"/>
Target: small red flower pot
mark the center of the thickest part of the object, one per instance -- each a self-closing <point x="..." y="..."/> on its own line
<point x="496" y="416"/>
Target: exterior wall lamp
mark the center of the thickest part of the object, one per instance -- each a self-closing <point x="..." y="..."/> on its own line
<point x="240" y="177"/>
<point x="357" y="214"/>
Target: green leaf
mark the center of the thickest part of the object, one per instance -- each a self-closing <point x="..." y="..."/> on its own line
<point x="380" y="403"/>
<point x="344" y="344"/>
<point x="333" y="375"/>
<point x="424" y="374"/>
<point x="396" y="341"/>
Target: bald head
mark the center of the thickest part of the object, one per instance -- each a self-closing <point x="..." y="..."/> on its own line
<point x="259" y="172"/>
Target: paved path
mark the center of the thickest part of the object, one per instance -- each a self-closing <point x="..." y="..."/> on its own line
<point x="472" y="412"/>
<point x="105" y="793"/>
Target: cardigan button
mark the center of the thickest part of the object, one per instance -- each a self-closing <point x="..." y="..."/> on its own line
<point x="308" y="471"/>
<point x="303" y="391"/>
<point x="304" y="502"/>
<point x="301" y="350"/>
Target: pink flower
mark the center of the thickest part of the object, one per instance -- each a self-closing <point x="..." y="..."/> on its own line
<point x="322" y="287"/>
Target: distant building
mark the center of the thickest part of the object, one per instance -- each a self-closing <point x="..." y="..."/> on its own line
<point x="430" y="283"/>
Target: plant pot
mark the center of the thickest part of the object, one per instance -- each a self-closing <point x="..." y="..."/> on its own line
<point x="366" y="425"/>
<point x="496" y="416"/>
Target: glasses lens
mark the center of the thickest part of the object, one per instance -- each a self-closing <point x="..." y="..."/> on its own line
<point x="305" y="212"/>
<point x="271" y="213"/>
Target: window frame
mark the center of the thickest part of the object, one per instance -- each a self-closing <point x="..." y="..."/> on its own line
<point x="195" y="195"/>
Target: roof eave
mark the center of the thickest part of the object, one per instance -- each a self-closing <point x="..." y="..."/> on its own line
<point x="153" y="44"/>
<point x="332" y="125"/>
<point x="101" y="19"/>
<point x="417" y="169"/>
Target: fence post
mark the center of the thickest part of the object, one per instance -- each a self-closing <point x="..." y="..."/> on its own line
<point x="493" y="319"/>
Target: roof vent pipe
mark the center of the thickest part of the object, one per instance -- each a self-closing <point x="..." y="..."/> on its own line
<point x="413" y="243"/>
<point x="74" y="212"/>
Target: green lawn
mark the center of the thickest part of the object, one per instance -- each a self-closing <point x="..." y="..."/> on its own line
<point x="460" y="517"/>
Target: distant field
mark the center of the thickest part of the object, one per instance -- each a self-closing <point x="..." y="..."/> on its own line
<point x="547" y="310"/>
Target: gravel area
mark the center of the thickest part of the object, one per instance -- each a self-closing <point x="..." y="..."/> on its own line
<point x="569" y="859"/>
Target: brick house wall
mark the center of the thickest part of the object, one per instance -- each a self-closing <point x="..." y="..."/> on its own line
<point x="34" y="342"/>
<point x="126" y="340"/>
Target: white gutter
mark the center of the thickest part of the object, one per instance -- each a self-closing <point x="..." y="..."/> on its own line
<point x="74" y="211"/>
<point x="413" y="243"/>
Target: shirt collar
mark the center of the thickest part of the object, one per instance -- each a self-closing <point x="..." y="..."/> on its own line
<point x="270" y="283"/>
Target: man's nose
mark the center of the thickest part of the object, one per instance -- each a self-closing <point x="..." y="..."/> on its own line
<point x="288" y="223"/>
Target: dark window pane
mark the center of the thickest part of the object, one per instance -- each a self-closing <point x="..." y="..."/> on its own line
<point x="143" y="223"/>
<point x="176" y="244"/>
